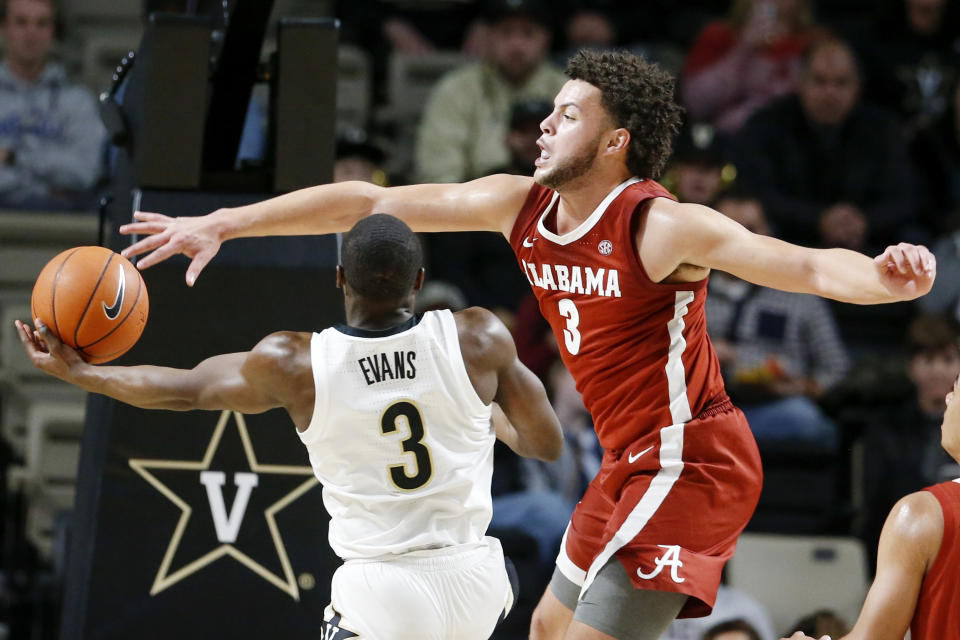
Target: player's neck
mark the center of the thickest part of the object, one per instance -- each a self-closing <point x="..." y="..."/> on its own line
<point x="580" y="197"/>
<point x="373" y="316"/>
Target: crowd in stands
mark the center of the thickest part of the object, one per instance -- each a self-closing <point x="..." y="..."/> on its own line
<point x="828" y="124"/>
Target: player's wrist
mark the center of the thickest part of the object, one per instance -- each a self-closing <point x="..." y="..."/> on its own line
<point x="224" y="224"/>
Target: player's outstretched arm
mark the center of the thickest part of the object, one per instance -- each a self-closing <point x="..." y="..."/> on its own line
<point x="909" y="544"/>
<point x="236" y="381"/>
<point x="487" y="204"/>
<point x="524" y="420"/>
<point x="697" y="235"/>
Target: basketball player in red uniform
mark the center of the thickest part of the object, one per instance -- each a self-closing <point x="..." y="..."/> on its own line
<point x="918" y="562"/>
<point x="620" y="271"/>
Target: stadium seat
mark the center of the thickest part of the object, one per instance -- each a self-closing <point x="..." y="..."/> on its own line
<point x="792" y="576"/>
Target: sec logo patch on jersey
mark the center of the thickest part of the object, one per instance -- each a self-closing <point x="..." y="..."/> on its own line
<point x="605" y="247"/>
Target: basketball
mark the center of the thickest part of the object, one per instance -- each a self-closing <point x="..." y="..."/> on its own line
<point x="94" y="300"/>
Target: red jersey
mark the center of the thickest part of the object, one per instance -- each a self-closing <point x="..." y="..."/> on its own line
<point x="637" y="350"/>
<point x="937" y="616"/>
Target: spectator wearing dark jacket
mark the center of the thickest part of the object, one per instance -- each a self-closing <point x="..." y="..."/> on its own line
<point x="831" y="170"/>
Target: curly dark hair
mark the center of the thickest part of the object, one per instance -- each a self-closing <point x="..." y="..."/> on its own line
<point x="639" y="96"/>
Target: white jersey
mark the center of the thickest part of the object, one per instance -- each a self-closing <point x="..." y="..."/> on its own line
<point x="399" y="439"/>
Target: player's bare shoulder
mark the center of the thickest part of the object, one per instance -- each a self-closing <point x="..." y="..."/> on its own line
<point x="917" y="520"/>
<point x="281" y="365"/>
<point x="502" y="194"/>
<point x="668" y="235"/>
<point x="484" y="340"/>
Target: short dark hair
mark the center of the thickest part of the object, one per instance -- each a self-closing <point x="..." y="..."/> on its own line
<point x="381" y="257"/>
<point x="930" y="333"/>
<point x="639" y="96"/>
<point x="737" y="624"/>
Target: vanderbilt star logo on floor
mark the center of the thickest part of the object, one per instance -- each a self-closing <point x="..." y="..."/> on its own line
<point x="238" y="530"/>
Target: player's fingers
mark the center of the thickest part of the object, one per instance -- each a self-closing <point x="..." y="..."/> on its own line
<point x="199" y="262"/>
<point x="50" y="340"/>
<point x="149" y="216"/>
<point x="158" y="256"/>
<point x="928" y="260"/>
<point x="897" y="258"/>
<point x="26" y="338"/>
<point x="143" y="228"/>
<point x="911" y="254"/>
<point x="146" y="244"/>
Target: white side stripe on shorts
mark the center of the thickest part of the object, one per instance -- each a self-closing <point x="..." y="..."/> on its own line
<point x="671" y="464"/>
<point x="572" y="572"/>
<point x="671" y="444"/>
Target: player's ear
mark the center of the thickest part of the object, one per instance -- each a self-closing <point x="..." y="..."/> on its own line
<point x="418" y="283"/>
<point x="619" y="140"/>
<point x="340" y="279"/>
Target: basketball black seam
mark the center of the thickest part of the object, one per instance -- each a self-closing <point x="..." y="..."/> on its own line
<point x="119" y="324"/>
<point x="76" y="330"/>
<point x="53" y="295"/>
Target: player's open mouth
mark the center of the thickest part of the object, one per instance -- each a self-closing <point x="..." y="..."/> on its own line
<point x="544" y="156"/>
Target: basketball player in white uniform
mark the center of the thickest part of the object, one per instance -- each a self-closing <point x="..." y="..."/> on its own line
<point x="397" y="415"/>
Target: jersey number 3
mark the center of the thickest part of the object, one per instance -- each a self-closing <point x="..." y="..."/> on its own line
<point x="424" y="467"/>
<point x="571" y="336"/>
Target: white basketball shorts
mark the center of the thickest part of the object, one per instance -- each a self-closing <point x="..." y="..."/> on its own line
<point x="455" y="593"/>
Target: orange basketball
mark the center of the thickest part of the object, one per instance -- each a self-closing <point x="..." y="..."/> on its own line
<point x="94" y="300"/>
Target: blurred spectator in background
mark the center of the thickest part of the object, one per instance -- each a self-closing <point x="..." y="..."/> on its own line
<point x="936" y="152"/>
<point x="359" y="158"/>
<point x="944" y="296"/>
<point x="437" y="294"/>
<point x="911" y="59"/>
<point x="831" y="171"/>
<point x="521" y="140"/>
<point x="387" y="27"/>
<point x="463" y="131"/>
<point x="481" y="263"/>
<point x="822" y="623"/>
<point x="406" y="27"/>
<point x="739" y="64"/>
<point x="51" y="137"/>
<point x="696" y="171"/>
<point x="779" y="351"/>
<point x="732" y="630"/>
<point x="902" y="451"/>
<point x="735" y="611"/>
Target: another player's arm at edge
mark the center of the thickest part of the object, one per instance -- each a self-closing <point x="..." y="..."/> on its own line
<point x="486" y="204"/>
<point x="250" y="382"/>
<point x="697" y="235"/>
<point x="909" y="544"/>
<point x="524" y="421"/>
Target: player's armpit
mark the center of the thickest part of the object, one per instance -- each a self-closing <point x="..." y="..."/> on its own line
<point x="909" y="544"/>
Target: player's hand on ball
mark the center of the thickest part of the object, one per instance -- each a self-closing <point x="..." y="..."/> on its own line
<point x="908" y="270"/>
<point x="195" y="237"/>
<point x="47" y="352"/>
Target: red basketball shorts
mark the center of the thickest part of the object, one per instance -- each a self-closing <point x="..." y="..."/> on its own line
<point x="669" y="507"/>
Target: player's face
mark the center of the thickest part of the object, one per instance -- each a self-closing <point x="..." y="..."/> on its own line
<point x="571" y="135"/>
<point x="28" y="30"/>
<point x="950" y="430"/>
